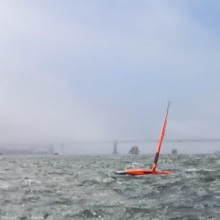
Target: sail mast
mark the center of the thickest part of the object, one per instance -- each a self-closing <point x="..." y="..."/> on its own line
<point x="160" y="140"/>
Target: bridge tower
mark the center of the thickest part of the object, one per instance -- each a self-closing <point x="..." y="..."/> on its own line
<point x="115" y="147"/>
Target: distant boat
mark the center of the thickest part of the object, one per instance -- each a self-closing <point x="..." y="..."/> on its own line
<point x="134" y="150"/>
<point x="174" y="151"/>
<point x="58" y="153"/>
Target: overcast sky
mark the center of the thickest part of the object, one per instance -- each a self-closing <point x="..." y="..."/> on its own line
<point x="102" y="70"/>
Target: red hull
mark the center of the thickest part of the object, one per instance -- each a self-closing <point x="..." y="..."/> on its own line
<point x="146" y="172"/>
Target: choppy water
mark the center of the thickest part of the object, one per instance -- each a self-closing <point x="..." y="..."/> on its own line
<point x="77" y="187"/>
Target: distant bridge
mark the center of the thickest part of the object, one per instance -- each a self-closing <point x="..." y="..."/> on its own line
<point x="116" y="142"/>
<point x="52" y="148"/>
<point x="44" y="149"/>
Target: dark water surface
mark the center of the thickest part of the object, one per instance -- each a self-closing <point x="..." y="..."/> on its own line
<point x="77" y="187"/>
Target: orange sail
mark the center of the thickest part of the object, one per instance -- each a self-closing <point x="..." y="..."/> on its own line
<point x="153" y="170"/>
<point x="160" y="140"/>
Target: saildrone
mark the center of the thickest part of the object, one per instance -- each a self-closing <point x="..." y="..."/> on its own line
<point x="153" y="169"/>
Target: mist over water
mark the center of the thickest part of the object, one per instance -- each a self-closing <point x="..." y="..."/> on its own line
<point x="59" y="85"/>
<point x="84" y="187"/>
